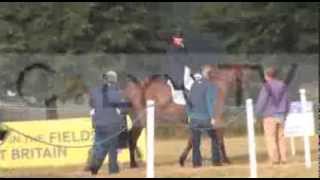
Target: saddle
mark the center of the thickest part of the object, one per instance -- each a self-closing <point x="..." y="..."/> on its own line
<point x="179" y="95"/>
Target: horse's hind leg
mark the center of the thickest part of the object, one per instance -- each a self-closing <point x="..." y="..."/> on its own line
<point x="224" y="157"/>
<point x="186" y="151"/>
<point x="138" y="152"/>
<point x="134" y="134"/>
<point x="224" y="154"/>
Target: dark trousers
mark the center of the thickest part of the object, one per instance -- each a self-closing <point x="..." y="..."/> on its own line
<point x="196" y="130"/>
<point x="101" y="150"/>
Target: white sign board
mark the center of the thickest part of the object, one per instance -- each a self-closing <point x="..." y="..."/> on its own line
<point x="299" y="124"/>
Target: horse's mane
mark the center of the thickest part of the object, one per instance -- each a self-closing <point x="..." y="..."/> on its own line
<point x="146" y="82"/>
<point x="151" y="79"/>
<point x="155" y="77"/>
<point x="132" y="78"/>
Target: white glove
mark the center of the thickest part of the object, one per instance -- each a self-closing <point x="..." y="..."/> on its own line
<point x="118" y="111"/>
<point x="92" y="112"/>
<point x="213" y="121"/>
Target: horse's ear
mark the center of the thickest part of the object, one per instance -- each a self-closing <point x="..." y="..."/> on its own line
<point x="132" y="78"/>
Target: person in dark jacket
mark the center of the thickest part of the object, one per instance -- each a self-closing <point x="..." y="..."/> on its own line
<point x="201" y="113"/>
<point x="177" y="61"/>
<point x="106" y="102"/>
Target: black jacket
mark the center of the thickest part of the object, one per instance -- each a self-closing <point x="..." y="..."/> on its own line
<point x="177" y="58"/>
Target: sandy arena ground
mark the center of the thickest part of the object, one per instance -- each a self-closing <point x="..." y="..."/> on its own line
<point x="168" y="151"/>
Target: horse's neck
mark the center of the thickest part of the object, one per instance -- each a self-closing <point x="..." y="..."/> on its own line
<point x="134" y="93"/>
<point x="223" y="80"/>
<point x="149" y="80"/>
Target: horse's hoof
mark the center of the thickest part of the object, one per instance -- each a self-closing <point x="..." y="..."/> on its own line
<point x="134" y="165"/>
<point x="181" y="161"/>
<point x="93" y="171"/>
<point x="217" y="163"/>
<point x="86" y="169"/>
<point x="227" y="161"/>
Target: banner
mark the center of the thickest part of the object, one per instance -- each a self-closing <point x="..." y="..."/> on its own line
<point x="19" y="151"/>
<point x="299" y="123"/>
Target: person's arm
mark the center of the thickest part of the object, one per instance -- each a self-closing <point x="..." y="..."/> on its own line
<point x="91" y="100"/>
<point x="287" y="103"/>
<point x="92" y="108"/>
<point x="261" y="101"/>
<point x="211" y="93"/>
<point x="121" y="102"/>
<point x="188" y="110"/>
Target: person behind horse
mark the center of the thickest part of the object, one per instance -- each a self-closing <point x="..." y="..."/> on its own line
<point x="176" y="54"/>
<point x="106" y="102"/>
<point x="201" y="113"/>
<point x="273" y="105"/>
<point x="178" y="59"/>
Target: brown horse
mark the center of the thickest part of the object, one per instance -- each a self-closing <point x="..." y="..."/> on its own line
<point x="155" y="88"/>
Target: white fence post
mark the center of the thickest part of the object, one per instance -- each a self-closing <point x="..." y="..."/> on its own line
<point x="293" y="147"/>
<point x="150" y="138"/>
<point x="251" y="139"/>
<point x="307" y="149"/>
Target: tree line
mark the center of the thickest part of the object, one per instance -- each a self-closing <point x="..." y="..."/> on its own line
<point x="141" y="27"/>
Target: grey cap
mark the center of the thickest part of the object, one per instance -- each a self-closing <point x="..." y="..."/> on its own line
<point x="110" y="76"/>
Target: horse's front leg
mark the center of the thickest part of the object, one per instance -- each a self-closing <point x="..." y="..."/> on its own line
<point x="134" y="135"/>
<point x="186" y="151"/>
<point x="224" y="156"/>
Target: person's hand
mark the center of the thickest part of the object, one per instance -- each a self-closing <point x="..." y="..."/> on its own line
<point x="216" y="123"/>
<point x="92" y="112"/>
<point x="118" y="111"/>
<point x="213" y="122"/>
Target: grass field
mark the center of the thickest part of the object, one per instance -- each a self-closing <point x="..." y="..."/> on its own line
<point x="168" y="151"/>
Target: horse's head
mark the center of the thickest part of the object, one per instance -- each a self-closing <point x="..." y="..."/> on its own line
<point x="133" y="91"/>
<point x="231" y="77"/>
